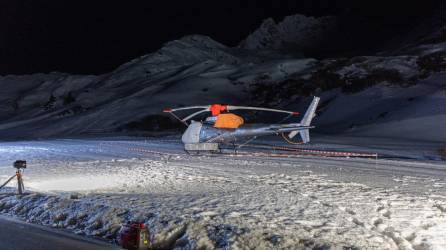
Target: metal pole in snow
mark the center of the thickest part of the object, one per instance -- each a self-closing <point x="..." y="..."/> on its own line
<point x="20" y="185"/>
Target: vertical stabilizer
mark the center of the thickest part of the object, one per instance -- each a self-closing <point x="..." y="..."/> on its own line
<point x="309" y="115"/>
<point x="305" y="135"/>
<point x="306" y="121"/>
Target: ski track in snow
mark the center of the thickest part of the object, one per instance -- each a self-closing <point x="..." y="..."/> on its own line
<point x="92" y="186"/>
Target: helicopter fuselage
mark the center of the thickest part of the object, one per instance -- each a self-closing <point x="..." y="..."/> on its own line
<point x="199" y="132"/>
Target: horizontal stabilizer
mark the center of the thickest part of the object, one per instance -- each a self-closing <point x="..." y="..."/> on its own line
<point x="311" y="111"/>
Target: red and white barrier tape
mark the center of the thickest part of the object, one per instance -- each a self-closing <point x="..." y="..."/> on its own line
<point x="298" y="152"/>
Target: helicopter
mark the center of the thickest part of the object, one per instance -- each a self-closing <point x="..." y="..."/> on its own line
<point x="224" y="127"/>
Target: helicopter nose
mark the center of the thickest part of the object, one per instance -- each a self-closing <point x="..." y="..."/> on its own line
<point x="192" y="133"/>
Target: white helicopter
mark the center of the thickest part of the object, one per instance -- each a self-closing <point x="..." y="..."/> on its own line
<point x="224" y="127"/>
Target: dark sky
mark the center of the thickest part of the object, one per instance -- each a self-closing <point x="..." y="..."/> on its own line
<point x="97" y="36"/>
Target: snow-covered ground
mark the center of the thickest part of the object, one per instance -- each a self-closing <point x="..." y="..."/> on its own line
<point x="93" y="186"/>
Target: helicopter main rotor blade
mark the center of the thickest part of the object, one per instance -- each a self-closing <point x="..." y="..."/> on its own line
<point x="171" y="111"/>
<point x="228" y="108"/>
<point x="194" y="114"/>
<point x="261" y="109"/>
<point x="187" y="108"/>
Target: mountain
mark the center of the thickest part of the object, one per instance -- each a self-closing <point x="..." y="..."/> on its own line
<point x="192" y="70"/>
<point x="294" y="33"/>
<point x="400" y="94"/>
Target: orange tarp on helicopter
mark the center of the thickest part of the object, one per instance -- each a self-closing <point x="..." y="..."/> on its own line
<point x="228" y="120"/>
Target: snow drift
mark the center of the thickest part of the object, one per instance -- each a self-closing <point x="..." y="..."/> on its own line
<point x="92" y="187"/>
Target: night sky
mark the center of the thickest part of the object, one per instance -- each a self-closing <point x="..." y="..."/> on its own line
<point x="91" y="37"/>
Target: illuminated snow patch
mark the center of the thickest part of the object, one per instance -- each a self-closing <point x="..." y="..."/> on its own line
<point x="11" y="150"/>
<point x="78" y="183"/>
<point x="19" y="149"/>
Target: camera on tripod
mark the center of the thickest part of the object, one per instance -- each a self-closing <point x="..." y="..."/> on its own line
<point x="20" y="164"/>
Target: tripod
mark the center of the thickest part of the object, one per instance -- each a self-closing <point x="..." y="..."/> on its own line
<point x="20" y="185"/>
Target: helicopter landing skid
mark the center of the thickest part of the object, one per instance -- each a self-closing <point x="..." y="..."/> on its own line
<point x="201" y="147"/>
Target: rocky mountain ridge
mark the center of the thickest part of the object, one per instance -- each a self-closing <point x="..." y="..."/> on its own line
<point x="199" y="70"/>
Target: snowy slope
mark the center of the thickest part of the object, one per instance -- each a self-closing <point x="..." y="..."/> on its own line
<point x="415" y="112"/>
<point x="369" y="95"/>
<point x="202" y="70"/>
